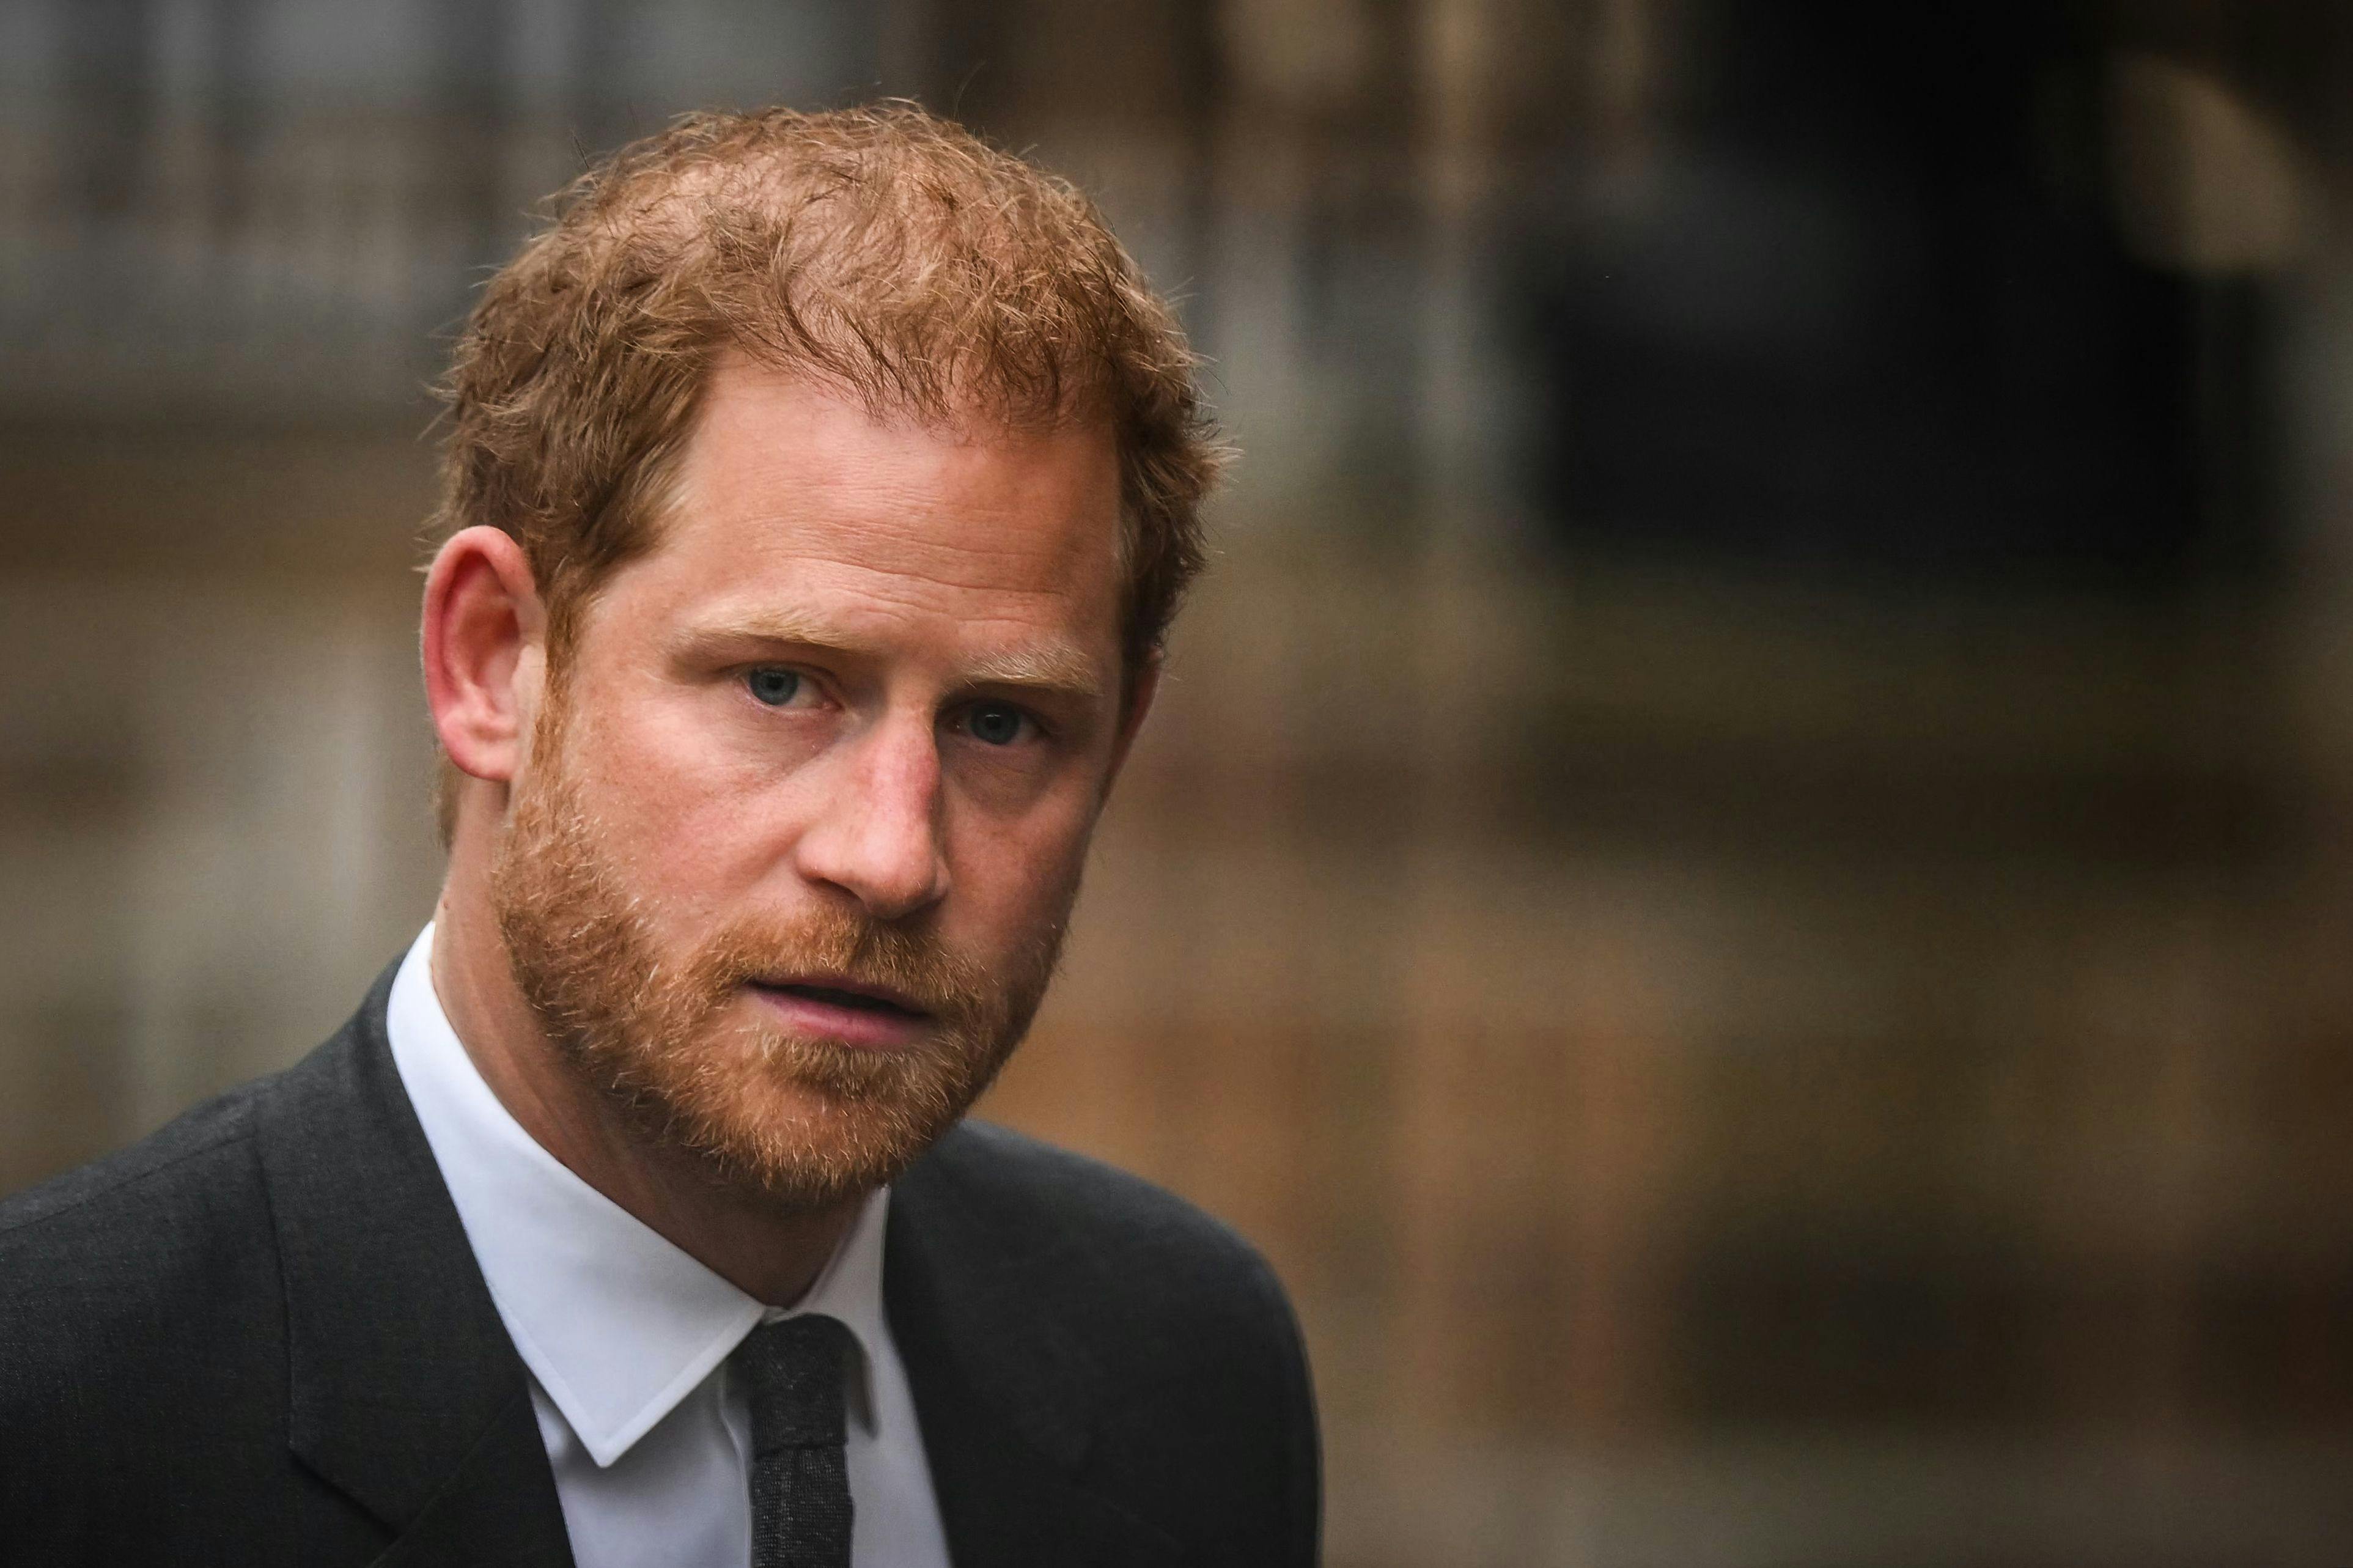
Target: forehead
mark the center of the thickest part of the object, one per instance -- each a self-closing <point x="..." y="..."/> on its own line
<point x="792" y="499"/>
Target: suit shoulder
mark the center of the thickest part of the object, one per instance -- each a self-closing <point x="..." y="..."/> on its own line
<point x="1107" y="1238"/>
<point x="1076" y="1275"/>
<point x="102" y="1261"/>
<point x="1008" y="1178"/>
<point x="143" y="1359"/>
<point x="188" y="1153"/>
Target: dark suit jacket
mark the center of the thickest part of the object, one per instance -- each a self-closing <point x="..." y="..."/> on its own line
<point x="260" y="1338"/>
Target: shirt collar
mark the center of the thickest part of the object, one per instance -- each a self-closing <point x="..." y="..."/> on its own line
<point x="617" y="1323"/>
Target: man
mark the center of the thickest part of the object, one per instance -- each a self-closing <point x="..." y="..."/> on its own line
<point x="818" y="490"/>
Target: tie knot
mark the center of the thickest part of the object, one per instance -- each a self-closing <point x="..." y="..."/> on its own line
<point x="795" y="1371"/>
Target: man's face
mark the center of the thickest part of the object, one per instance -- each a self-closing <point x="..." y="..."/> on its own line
<point x="790" y="861"/>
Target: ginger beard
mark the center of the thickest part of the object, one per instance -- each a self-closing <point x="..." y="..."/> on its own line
<point x="691" y="1061"/>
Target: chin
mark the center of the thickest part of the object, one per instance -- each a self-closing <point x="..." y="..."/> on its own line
<point x="803" y="1123"/>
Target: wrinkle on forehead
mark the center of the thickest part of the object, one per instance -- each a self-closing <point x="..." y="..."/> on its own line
<point x="762" y="435"/>
<point x="797" y="517"/>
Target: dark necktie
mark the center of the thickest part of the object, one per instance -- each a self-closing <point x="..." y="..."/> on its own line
<point x="795" y="1371"/>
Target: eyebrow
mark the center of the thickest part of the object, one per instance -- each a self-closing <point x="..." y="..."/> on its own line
<point x="1049" y="667"/>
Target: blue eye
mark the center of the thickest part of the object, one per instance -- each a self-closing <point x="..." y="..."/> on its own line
<point x="995" y="724"/>
<point x="773" y="686"/>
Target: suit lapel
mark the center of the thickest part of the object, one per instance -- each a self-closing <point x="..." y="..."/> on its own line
<point x="488" y="1510"/>
<point x="1006" y="1405"/>
<point x="406" y="1394"/>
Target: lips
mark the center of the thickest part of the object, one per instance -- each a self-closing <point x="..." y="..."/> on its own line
<point x="840" y="996"/>
<point x="833" y="1007"/>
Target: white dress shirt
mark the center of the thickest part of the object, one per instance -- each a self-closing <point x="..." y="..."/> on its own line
<point x="626" y="1337"/>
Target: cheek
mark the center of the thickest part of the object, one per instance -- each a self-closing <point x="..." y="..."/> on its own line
<point x="1013" y="877"/>
<point x="695" y="824"/>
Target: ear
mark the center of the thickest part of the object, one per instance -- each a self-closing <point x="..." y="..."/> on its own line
<point x="485" y="651"/>
<point x="1141" y="689"/>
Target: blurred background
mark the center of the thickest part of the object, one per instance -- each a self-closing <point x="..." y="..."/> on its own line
<point x="1747" y="871"/>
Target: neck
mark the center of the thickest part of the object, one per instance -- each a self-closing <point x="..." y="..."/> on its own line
<point x="770" y="1256"/>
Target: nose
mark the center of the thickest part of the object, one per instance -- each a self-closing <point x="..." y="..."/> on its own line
<point x="878" y="837"/>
